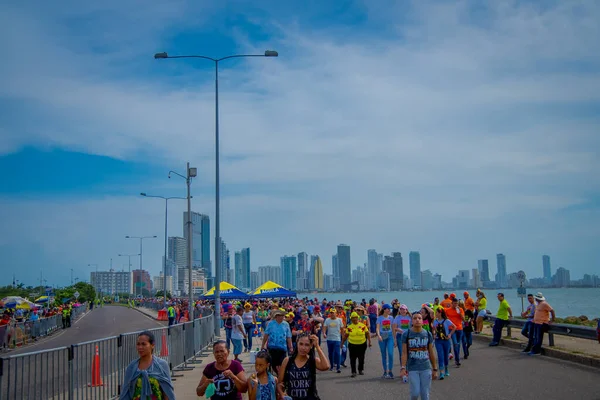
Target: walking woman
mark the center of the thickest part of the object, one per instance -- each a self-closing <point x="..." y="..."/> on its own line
<point x="298" y="373"/>
<point x="357" y="335"/>
<point x="249" y="321"/>
<point x="148" y="377"/>
<point x="332" y="332"/>
<point x="373" y="311"/>
<point x="416" y="362"/>
<point x="227" y="376"/>
<point x="401" y="324"/>
<point x="386" y="340"/>
<point x="481" y="306"/>
<point x="443" y="329"/>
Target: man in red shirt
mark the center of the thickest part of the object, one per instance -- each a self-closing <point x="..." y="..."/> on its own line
<point x="457" y="316"/>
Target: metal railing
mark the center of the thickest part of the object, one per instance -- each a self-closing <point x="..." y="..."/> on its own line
<point x="95" y="369"/>
<point x="17" y="334"/>
<point x="578" y="331"/>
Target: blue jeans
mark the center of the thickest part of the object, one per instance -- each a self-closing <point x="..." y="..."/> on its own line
<point x="333" y="348"/>
<point x="456" y="342"/>
<point x="249" y="328"/>
<point x="420" y="384"/>
<point x="386" y="346"/>
<point x="228" y="337"/>
<point x="527" y="328"/>
<point x="344" y="352"/>
<point x="499" y="324"/>
<point x="443" y="351"/>
<point x="373" y="322"/>
<point x="237" y="346"/>
<point x="399" y="343"/>
<point x="467" y="341"/>
<point x="538" y="335"/>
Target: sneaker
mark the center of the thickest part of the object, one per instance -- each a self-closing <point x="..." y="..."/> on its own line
<point x="466" y="357"/>
<point x="531" y="353"/>
<point x="493" y="344"/>
<point x="526" y="350"/>
<point x="353" y="375"/>
<point x="330" y="369"/>
<point x="361" y="373"/>
<point x="338" y="371"/>
<point x="441" y="377"/>
<point x="390" y="375"/>
<point x="457" y="364"/>
<point x="447" y="374"/>
<point x="384" y="376"/>
<point x="344" y="365"/>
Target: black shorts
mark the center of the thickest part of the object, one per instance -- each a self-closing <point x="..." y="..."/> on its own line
<point x="277" y="357"/>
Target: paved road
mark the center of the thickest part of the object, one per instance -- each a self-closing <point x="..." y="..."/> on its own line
<point x="46" y="375"/>
<point x="498" y="373"/>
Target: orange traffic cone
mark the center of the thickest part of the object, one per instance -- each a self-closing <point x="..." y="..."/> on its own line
<point x="164" y="348"/>
<point x="96" y="378"/>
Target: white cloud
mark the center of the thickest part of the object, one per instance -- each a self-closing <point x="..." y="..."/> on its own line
<point x="450" y="123"/>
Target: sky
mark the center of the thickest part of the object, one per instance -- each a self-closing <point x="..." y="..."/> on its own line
<point x="457" y="129"/>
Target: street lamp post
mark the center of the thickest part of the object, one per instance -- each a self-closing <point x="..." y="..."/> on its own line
<point x="141" y="253"/>
<point x="190" y="173"/>
<point x="166" y="199"/>
<point x="129" y="257"/>
<point x="267" y="53"/>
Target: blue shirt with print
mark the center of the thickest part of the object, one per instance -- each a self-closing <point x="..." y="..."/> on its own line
<point x="278" y="334"/>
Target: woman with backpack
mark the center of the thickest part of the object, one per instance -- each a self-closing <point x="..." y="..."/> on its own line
<point x="298" y="373"/>
<point x="443" y="329"/>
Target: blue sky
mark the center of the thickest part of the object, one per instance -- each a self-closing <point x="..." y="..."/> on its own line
<point x="460" y="130"/>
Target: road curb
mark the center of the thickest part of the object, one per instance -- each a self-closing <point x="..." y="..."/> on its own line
<point x="582" y="359"/>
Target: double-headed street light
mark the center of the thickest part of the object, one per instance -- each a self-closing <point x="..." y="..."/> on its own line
<point x="190" y="173"/>
<point x="141" y="253"/>
<point x="166" y="199"/>
<point x="129" y="257"/>
<point x="267" y="53"/>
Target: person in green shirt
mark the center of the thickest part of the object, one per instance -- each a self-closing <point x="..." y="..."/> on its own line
<point x="502" y="318"/>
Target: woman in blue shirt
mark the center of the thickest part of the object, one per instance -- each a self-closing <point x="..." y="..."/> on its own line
<point x="386" y="340"/>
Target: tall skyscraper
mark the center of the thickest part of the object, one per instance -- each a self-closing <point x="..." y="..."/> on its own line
<point x="310" y="279"/>
<point x="335" y="271"/>
<point x="397" y="278"/>
<point x="427" y="280"/>
<point x="225" y="274"/>
<point x="501" y="266"/>
<point x="547" y="268"/>
<point x="246" y="268"/>
<point x="303" y="269"/>
<point x="373" y="269"/>
<point x="239" y="276"/>
<point x="254" y="282"/>
<point x="344" y="265"/>
<point x="200" y="241"/>
<point x="288" y="272"/>
<point x="318" y="274"/>
<point x="269" y="273"/>
<point x="484" y="271"/>
<point x="177" y="253"/>
<point x="414" y="259"/>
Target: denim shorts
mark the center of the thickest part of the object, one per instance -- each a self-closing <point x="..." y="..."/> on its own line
<point x="237" y="346"/>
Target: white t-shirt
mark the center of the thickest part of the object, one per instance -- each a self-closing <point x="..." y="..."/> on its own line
<point x="334" y="329"/>
<point x="235" y="332"/>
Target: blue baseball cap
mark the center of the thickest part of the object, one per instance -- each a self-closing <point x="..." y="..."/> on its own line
<point x="387" y="307"/>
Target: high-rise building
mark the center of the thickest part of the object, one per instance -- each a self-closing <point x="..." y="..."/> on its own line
<point x="462" y="279"/>
<point x="414" y="259"/>
<point x="111" y="282"/>
<point x="476" y="281"/>
<point x="335" y="272"/>
<point x="224" y="253"/>
<point x="393" y="265"/>
<point x="484" y="272"/>
<point x="303" y="269"/>
<point x="562" y="278"/>
<point x="177" y="253"/>
<point x="159" y="282"/>
<point x="198" y="282"/>
<point x="374" y="267"/>
<point x="288" y="271"/>
<point x="141" y="282"/>
<point x="238" y="268"/>
<point x="501" y="267"/>
<point x="344" y="266"/>
<point x="328" y="283"/>
<point x="200" y="241"/>
<point x="317" y="277"/>
<point x="426" y="280"/>
<point x="254" y="280"/>
<point x="384" y="280"/>
<point x="269" y="273"/>
<point x="173" y="274"/>
<point x="547" y="268"/>
<point x="246" y="268"/>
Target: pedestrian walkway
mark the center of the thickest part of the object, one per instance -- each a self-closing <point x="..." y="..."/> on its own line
<point x="491" y="373"/>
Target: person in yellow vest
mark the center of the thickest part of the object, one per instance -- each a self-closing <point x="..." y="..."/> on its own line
<point x="171" y="314"/>
<point x="69" y="311"/>
<point x="64" y="312"/>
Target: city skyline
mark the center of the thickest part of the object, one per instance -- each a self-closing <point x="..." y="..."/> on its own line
<point x="363" y="131"/>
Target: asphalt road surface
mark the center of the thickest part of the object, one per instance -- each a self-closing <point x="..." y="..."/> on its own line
<point x="490" y="373"/>
<point x="46" y="375"/>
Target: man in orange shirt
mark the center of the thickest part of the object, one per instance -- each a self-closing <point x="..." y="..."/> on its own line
<point x="469" y="302"/>
<point x="446" y="303"/>
<point x="457" y="316"/>
<point x="544" y="315"/>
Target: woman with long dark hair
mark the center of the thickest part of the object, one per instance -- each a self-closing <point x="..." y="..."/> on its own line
<point x="148" y="377"/>
<point x="443" y="329"/>
<point x="298" y="373"/>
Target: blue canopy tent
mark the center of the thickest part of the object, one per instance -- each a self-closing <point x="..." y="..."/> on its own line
<point x="270" y="289"/>
<point x="228" y="291"/>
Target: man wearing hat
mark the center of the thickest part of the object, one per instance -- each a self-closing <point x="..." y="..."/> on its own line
<point x="277" y="338"/>
<point x="544" y="315"/>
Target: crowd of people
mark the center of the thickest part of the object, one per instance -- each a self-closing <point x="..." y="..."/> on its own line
<point x="286" y="338"/>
